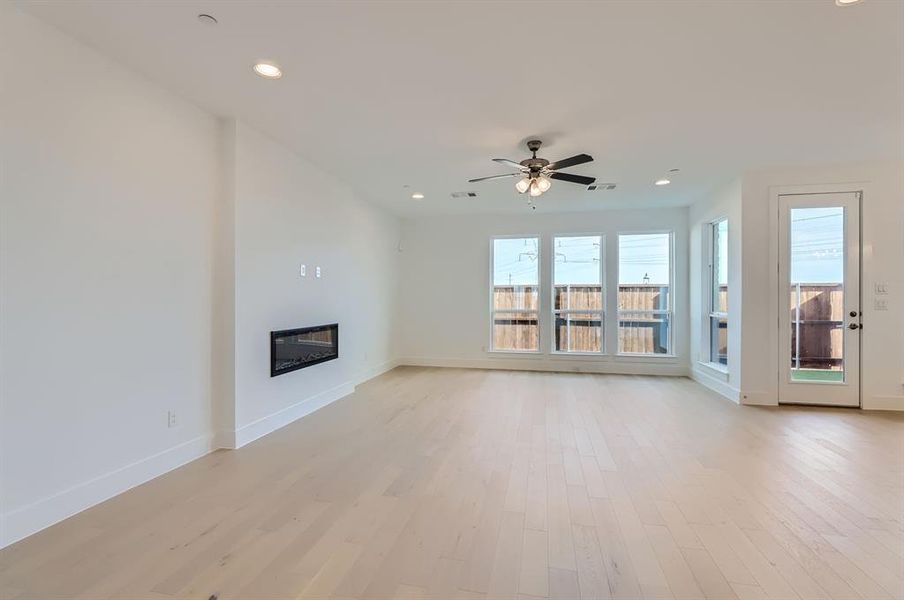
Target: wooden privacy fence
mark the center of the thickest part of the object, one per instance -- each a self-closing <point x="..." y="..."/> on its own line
<point x="817" y="325"/>
<point x="643" y="320"/>
<point x="816" y="314"/>
<point x="578" y="322"/>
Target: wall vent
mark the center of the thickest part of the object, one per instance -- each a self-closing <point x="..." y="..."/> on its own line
<point x="464" y="194"/>
<point x="600" y="187"/>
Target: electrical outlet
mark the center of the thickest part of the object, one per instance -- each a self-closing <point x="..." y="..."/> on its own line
<point x="171" y="418"/>
<point x="880" y="304"/>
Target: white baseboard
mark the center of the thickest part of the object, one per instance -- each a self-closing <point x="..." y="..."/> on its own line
<point x="717" y="385"/>
<point x="375" y="371"/>
<point x="30" y="519"/>
<point x="560" y="365"/>
<point x="884" y="403"/>
<point x="224" y="440"/>
<point x="869" y="403"/>
<point x="261" y="427"/>
<point x="270" y="423"/>
<point x="758" y="398"/>
<point x="23" y="522"/>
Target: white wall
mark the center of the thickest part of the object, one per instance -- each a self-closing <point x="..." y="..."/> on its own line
<point x="147" y="249"/>
<point x="882" y="224"/>
<point x="444" y="294"/>
<point x="289" y="213"/>
<point x="107" y="190"/>
<point x="724" y="202"/>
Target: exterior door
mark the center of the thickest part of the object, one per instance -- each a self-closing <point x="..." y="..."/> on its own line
<point x="819" y="299"/>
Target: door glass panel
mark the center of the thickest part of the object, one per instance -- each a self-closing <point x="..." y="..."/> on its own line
<point x="817" y="294"/>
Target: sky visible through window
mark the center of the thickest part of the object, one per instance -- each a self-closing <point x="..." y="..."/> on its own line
<point x="515" y="261"/>
<point x="577" y="260"/>
<point x="817" y="245"/>
<point x="817" y="254"/>
<point x="721" y="252"/>
<point x="644" y="258"/>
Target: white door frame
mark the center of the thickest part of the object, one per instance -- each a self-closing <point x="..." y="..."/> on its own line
<point x="846" y="392"/>
<point x="769" y="395"/>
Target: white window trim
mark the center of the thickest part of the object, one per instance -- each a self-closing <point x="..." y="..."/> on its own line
<point x="671" y="309"/>
<point x="491" y="349"/>
<point x="708" y="312"/>
<point x="552" y="296"/>
<point x="717" y="370"/>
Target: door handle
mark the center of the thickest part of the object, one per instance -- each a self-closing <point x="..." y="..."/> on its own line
<point x="854" y="326"/>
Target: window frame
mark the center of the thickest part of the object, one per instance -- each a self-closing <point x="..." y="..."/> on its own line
<point x="670" y="311"/>
<point x="491" y="347"/>
<point x="552" y="295"/>
<point x="710" y="308"/>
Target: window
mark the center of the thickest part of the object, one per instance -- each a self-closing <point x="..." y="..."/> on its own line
<point x="577" y="302"/>
<point x="718" y="296"/>
<point x="644" y="293"/>
<point x="515" y="303"/>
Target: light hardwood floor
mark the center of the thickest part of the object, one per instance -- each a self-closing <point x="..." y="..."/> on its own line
<point x="447" y="483"/>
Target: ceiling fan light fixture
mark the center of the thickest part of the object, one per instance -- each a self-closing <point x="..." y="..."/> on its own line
<point x="662" y="182"/>
<point x="268" y="70"/>
<point x="535" y="174"/>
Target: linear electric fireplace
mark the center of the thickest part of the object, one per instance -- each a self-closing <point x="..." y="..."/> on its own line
<point x="293" y="349"/>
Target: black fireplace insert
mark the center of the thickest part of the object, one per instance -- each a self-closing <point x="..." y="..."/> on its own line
<point x="293" y="349"/>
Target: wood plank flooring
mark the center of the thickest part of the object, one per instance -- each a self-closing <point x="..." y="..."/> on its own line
<point x="452" y="483"/>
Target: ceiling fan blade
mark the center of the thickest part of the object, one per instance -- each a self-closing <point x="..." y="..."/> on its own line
<point x="578" y="159"/>
<point x="510" y="163"/>
<point x="572" y="178"/>
<point x="494" y="177"/>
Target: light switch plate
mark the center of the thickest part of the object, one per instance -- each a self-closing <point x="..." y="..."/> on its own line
<point x="881" y="288"/>
<point x="303" y="271"/>
<point x="317" y="272"/>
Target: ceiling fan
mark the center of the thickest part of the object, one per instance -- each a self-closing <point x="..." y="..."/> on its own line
<point x="536" y="173"/>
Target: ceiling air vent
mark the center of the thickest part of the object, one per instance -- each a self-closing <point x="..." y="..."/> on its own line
<point x="600" y="187"/>
<point x="464" y="194"/>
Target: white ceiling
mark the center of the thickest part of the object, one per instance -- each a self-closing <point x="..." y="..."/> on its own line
<point x="388" y="94"/>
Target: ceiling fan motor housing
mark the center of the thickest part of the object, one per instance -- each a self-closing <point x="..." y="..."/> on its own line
<point x="534" y="164"/>
<point x="538" y="171"/>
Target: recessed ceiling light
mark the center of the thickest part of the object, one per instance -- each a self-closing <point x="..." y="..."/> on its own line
<point x="207" y="19"/>
<point x="268" y="70"/>
<point x="847" y="2"/>
<point x="662" y="182"/>
<point x="417" y="196"/>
